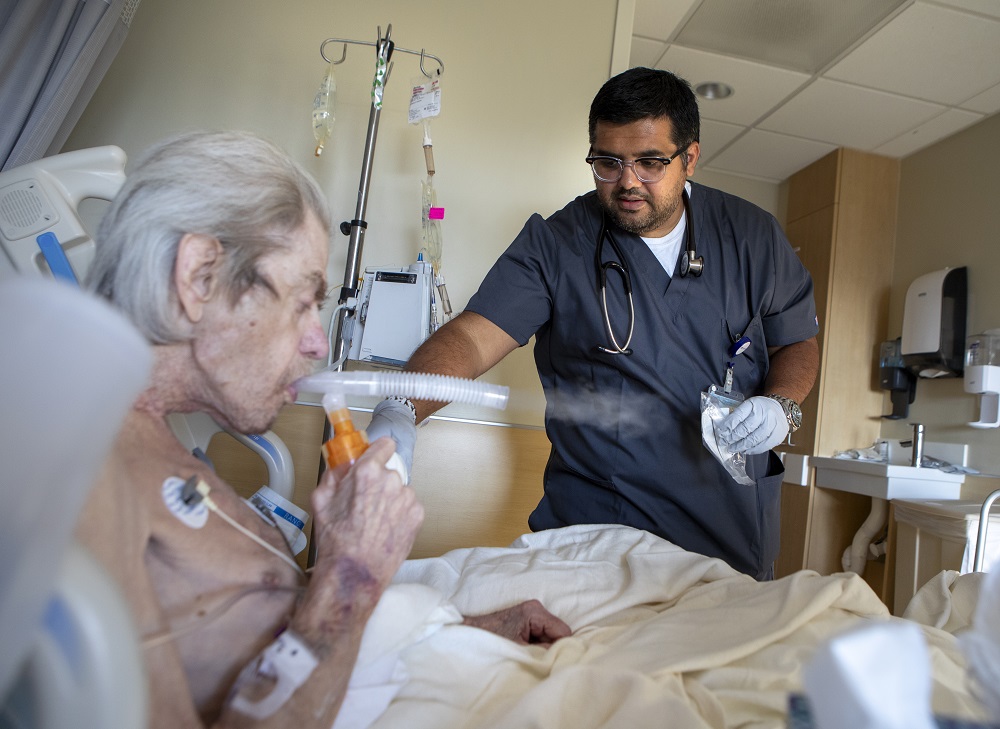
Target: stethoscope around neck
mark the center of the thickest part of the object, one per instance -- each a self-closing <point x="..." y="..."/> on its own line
<point x="691" y="263"/>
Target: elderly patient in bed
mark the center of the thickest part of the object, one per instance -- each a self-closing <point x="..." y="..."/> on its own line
<point x="216" y="248"/>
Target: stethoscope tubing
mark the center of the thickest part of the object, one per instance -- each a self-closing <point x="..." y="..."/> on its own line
<point x="691" y="263"/>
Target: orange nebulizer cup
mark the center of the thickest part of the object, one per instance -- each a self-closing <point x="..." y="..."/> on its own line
<point x="346" y="444"/>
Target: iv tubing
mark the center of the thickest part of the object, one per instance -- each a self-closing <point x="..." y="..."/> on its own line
<point x="419" y="386"/>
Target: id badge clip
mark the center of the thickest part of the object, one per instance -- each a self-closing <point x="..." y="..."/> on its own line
<point x="735" y="350"/>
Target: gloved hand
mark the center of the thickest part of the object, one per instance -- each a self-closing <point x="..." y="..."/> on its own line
<point x="756" y="426"/>
<point x="394" y="418"/>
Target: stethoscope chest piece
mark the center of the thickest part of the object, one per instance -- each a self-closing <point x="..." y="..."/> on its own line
<point x="691" y="264"/>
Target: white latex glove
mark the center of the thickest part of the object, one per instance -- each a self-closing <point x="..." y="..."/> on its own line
<point x="756" y="426"/>
<point x="395" y="419"/>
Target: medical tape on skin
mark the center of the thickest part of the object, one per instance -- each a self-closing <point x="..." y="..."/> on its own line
<point x="287" y="661"/>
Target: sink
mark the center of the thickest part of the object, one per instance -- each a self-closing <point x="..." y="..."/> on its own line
<point x="885" y="480"/>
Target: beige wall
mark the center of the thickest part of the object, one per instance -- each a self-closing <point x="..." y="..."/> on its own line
<point x="949" y="215"/>
<point x="510" y="141"/>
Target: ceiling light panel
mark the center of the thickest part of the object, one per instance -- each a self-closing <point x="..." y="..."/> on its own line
<point x="803" y="35"/>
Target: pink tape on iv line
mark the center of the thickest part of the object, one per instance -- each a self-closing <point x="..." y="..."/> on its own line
<point x="435" y="214"/>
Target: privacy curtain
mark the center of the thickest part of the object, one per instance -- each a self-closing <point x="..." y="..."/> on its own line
<point x="53" y="54"/>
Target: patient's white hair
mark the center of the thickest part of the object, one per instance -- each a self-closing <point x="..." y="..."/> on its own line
<point x="233" y="186"/>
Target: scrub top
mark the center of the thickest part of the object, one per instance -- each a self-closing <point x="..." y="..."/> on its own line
<point x="626" y="430"/>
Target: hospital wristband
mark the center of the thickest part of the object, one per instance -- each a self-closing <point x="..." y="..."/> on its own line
<point x="289" y="662"/>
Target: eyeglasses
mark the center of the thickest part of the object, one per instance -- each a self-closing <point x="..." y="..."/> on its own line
<point x="646" y="169"/>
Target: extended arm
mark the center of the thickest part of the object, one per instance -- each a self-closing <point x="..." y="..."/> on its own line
<point x="467" y="346"/>
<point x="793" y="370"/>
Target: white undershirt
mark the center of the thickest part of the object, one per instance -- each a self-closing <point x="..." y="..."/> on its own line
<point x="667" y="248"/>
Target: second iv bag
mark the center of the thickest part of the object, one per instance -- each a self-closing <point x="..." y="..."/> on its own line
<point x="323" y="109"/>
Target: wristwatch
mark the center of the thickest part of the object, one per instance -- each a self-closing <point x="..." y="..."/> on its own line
<point x="793" y="413"/>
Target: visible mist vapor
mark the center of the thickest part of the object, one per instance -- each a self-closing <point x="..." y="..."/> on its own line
<point x="588" y="406"/>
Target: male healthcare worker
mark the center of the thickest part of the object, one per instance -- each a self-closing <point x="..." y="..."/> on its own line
<point x="642" y="295"/>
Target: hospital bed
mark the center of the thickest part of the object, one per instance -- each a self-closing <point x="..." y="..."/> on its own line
<point x="70" y="368"/>
<point x="663" y="637"/>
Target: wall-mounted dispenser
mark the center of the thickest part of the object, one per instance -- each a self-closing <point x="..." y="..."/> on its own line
<point x="893" y="376"/>
<point x="933" y="338"/>
<point x="982" y="376"/>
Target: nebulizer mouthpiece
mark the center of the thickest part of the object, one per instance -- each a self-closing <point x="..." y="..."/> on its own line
<point x="347" y="444"/>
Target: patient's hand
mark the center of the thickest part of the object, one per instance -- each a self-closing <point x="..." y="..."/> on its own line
<point x="528" y="622"/>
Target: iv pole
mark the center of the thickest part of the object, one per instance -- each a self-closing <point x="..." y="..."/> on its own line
<point x="384" y="48"/>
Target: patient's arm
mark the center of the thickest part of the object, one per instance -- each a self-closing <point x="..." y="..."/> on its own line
<point x="364" y="525"/>
<point x="173" y="574"/>
<point x="528" y="622"/>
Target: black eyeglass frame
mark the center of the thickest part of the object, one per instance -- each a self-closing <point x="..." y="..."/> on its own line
<point x="622" y="164"/>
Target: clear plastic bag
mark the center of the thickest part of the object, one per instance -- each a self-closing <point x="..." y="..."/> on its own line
<point x="715" y="407"/>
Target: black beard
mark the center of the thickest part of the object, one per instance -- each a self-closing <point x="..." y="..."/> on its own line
<point x="631" y="225"/>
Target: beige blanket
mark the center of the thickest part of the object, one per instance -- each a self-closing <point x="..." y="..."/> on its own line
<point x="663" y="638"/>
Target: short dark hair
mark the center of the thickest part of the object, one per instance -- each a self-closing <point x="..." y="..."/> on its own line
<point x="640" y="93"/>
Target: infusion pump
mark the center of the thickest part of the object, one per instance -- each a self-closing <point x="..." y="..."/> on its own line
<point x="396" y="312"/>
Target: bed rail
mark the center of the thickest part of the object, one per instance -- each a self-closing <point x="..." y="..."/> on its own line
<point x="984" y="522"/>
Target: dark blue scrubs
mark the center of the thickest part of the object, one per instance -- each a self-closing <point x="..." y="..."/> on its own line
<point x="626" y="431"/>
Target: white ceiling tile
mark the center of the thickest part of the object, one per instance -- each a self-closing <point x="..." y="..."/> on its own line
<point x="986" y="7"/>
<point x="645" y="52"/>
<point x="934" y="130"/>
<point x="715" y="136"/>
<point x="769" y="156"/>
<point x="658" y="19"/>
<point x="758" y="88"/>
<point x="801" y="35"/>
<point x="987" y="102"/>
<point x="850" y="116"/>
<point x="890" y="95"/>
<point x="927" y="52"/>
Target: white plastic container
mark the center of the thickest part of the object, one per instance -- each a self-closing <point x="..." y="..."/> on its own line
<point x="932" y="536"/>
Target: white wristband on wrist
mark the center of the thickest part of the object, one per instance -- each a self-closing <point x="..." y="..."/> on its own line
<point x="289" y="662"/>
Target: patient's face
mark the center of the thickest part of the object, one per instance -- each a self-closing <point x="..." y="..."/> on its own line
<point x="250" y="354"/>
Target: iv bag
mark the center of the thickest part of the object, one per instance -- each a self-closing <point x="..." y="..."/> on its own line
<point x="323" y="113"/>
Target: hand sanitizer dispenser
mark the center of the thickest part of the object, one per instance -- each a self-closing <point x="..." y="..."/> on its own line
<point x="982" y="376"/>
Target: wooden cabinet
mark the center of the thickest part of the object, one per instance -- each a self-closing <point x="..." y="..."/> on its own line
<point x="841" y="220"/>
